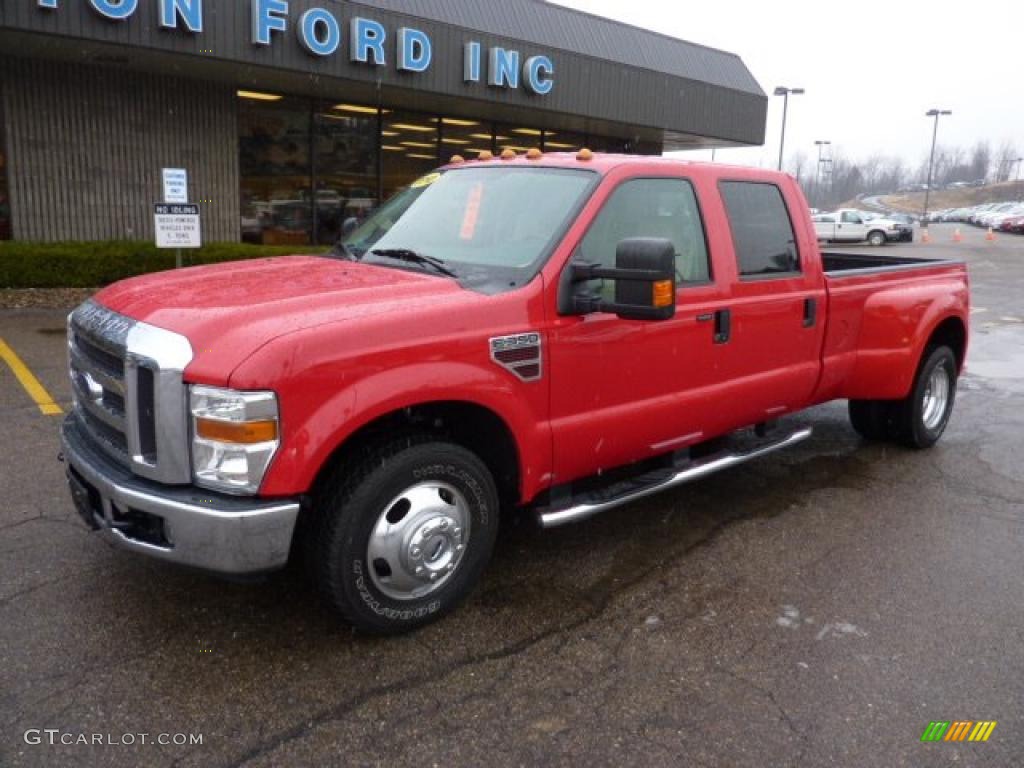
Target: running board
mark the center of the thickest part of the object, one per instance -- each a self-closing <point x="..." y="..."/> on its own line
<point x="553" y="518"/>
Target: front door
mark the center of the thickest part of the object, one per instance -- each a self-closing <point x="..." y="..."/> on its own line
<point x="625" y="389"/>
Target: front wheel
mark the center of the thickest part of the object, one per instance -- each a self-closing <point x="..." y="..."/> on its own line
<point x="404" y="535"/>
<point x="876" y="238"/>
<point x="922" y="417"/>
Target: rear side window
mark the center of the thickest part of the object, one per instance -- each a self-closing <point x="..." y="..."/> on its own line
<point x="762" y="232"/>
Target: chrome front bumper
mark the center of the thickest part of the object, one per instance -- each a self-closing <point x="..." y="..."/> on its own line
<point x="224" y="534"/>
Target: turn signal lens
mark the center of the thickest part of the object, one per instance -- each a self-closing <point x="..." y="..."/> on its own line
<point x="664" y="294"/>
<point x="241" y="432"/>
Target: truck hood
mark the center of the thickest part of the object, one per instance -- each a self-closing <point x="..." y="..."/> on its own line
<point x="228" y="311"/>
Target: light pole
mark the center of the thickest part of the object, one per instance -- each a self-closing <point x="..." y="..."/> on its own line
<point x="1020" y="190"/>
<point x="784" y="92"/>
<point x="817" y="171"/>
<point x="936" y="113"/>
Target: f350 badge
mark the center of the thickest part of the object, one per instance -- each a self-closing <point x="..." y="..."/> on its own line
<point x="520" y="354"/>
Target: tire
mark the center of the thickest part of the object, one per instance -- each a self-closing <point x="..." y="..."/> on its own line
<point x="871" y="418"/>
<point x="920" y="420"/>
<point x="402" y="537"/>
<point x="876" y="238"/>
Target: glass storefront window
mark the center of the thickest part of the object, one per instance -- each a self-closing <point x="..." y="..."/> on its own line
<point x="608" y="145"/>
<point x="345" y="163"/>
<point x="312" y="172"/>
<point x="5" y="198"/>
<point x="275" y="170"/>
<point x="468" y="138"/>
<point x="564" y="141"/>
<point x="519" y="138"/>
<point x="409" y="148"/>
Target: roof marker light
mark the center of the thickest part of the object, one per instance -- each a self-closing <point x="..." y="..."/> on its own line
<point x="534" y="154"/>
<point x="508" y="154"/>
<point x="585" y="155"/>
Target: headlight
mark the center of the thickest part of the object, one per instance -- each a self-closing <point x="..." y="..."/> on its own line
<point x="234" y="437"/>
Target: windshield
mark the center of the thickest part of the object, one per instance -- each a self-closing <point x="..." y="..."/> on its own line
<point x="484" y="224"/>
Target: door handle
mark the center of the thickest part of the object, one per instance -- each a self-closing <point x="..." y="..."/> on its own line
<point x="810" y="312"/>
<point x="723" y="326"/>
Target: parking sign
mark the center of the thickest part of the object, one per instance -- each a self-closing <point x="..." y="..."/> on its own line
<point x="175" y="185"/>
<point x="177" y="226"/>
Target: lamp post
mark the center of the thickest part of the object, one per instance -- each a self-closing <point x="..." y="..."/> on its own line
<point x="936" y="113"/>
<point x="817" y="170"/>
<point x="784" y="92"/>
<point x="1020" y="190"/>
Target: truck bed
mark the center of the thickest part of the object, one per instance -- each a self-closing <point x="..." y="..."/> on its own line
<point x="846" y="264"/>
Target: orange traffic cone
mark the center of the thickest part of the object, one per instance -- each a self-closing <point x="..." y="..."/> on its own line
<point x="957" y="237"/>
<point x="991" y="236"/>
<point x="925" y="237"/>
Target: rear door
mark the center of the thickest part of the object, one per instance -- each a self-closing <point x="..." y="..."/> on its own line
<point x="771" y="359"/>
<point x="825" y="226"/>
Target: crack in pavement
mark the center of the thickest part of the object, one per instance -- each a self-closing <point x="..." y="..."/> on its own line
<point x="598" y="607"/>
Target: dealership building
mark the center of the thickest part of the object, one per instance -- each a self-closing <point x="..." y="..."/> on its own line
<point x="292" y="117"/>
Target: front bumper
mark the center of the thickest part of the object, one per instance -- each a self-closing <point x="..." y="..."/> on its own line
<point x="187" y="525"/>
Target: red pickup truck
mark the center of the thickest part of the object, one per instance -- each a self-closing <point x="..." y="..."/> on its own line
<point x="561" y="333"/>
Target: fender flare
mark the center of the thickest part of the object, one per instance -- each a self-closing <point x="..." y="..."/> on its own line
<point x="309" y="445"/>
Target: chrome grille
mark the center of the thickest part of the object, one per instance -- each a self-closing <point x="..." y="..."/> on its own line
<point x="96" y="353"/>
<point x="126" y="378"/>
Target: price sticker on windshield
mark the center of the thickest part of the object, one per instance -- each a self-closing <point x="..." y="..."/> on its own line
<point x="425" y="181"/>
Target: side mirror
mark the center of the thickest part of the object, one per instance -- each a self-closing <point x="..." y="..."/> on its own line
<point x="645" y="282"/>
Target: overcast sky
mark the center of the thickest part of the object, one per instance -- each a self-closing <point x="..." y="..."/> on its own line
<point x="871" y="69"/>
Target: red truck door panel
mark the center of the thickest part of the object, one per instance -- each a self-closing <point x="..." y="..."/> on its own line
<point x="772" y="360"/>
<point x="623" y="389"/>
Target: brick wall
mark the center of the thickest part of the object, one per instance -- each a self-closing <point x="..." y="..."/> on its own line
<point x="86" y="144"/>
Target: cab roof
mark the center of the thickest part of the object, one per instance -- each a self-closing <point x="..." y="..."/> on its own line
<point x="604" y="163"/>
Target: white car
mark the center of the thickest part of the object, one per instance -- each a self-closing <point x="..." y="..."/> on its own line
<point x="848" y="225"/>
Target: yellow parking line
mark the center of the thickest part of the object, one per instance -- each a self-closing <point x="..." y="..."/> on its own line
<point x="28" y="380"/>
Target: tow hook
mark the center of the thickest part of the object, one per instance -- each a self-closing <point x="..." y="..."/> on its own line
<point x="60" y="456"/>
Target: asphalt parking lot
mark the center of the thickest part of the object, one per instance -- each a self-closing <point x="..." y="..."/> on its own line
<point x="818" y="607"/>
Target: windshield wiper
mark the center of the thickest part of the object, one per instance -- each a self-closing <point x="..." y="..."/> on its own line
<point x="405" y="254"/>
<point x="344" y="251"/>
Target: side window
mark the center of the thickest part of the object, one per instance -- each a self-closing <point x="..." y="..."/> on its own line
<point x="762" y="232"/>
<point x="851" y="218"/>
<point x="665" y="208"/>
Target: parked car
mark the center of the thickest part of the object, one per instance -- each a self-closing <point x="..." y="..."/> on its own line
<point x="503" y="334"/>
<point x="849" y="225"/>
<point x="995" y="218"/>
<point x="897" y="230"/>
<point x="1013" y="224"/>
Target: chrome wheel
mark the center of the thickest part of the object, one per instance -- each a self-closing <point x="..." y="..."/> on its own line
<point x="419" y="541"/>
<point x="936" y="398"/>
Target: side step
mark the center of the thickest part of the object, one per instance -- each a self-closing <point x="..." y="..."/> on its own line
<point x="588" y="505"/>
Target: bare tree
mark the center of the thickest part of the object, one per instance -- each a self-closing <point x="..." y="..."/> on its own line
<point x="1005" y="156"/>
<point x="981" y="161"/>
<point x="798" y="167"/>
